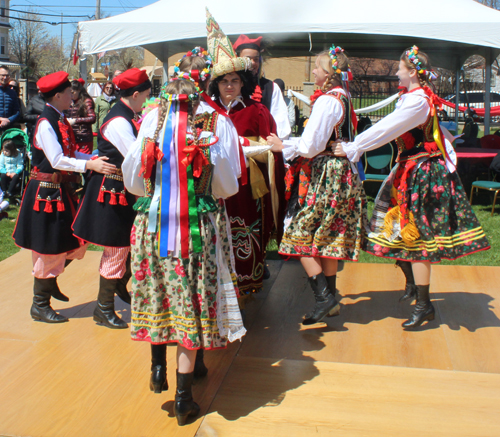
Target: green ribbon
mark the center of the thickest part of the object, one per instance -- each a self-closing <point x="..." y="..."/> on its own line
<point x="194" y="226"/>
<point x="142" y="204"/>
<point x="206" y="204"/>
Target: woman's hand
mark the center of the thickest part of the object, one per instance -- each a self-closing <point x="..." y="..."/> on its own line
<point x="71" y="121"/>
<point x="274" y="141"/>
<point x="337" y="149"/>
<point x="100" y="165"/>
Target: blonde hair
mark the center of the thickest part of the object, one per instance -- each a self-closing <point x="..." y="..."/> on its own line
<point x="179" y="86"/>
<point x="189" y="63"/>
<point x="426" y="65"/>
<point x="333" y="78"/>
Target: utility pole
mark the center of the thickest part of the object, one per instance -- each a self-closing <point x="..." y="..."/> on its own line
<point x="97" y="17"/>
<point x="62" y="49"/>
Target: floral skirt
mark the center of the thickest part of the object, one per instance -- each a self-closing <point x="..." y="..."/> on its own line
<point x="179" y="300"/>
<point x="447" y="226"/>
<point x="331" y="222"/>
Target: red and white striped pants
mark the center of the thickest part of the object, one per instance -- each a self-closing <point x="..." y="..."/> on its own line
<point x="113" y="262"/>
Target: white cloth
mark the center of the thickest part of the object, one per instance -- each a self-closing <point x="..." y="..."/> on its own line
<point x="279" y="111"/>
<point x="326" y="114"/>
<point x="412" y="110"/>
<point x="46" y="139"/>
<point x="119" y="132"/>
<point x="291" y="111"/>
<point x="223" y="155"/>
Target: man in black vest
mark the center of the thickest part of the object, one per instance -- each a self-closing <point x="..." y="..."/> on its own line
<point x="266" y="92"/>
<point x="106" y="215"/>
<point x="49" y="202"/>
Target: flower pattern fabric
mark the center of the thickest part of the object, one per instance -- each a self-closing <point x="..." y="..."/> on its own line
<point x="332" y="219"/>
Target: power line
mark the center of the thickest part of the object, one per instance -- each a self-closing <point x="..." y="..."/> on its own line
<point x="91" y="7"/>
<point x="52" y="23"/>
<point x="47" y="15"/>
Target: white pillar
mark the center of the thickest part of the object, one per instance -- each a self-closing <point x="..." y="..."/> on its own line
<point x="83" y="68"/>
<point x="487" y="87"/>
<point x="165" y="63"/>
<point x="457" y="95"/>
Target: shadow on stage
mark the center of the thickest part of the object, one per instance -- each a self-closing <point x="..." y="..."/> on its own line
<point x="85" y="310"/>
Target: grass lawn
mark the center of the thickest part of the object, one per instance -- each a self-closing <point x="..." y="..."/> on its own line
<point x="482" y="208"/>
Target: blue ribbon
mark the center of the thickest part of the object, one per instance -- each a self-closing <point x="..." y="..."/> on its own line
<point x="361" y="171"/>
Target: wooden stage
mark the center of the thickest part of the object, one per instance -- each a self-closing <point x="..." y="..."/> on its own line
<point x="360" y="374"/>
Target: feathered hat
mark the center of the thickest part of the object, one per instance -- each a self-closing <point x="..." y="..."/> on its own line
<point x="221" y="51"/>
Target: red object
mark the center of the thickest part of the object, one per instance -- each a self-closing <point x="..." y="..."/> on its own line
<point x="150" y="155"/>
<point x="196" y="157"/>
<point x="494" y="111"/>
<point x="75" y="57"/>
<point x="130" y="78"/>
<point x="243" y="39"/>
<point x="472" y="152"/>
<point x="184" y="206"/>
<point x="490" y="142"/>
<point x="52" y="81"/>
<point x="81" y="80"/>
<point x="257" y="95"/>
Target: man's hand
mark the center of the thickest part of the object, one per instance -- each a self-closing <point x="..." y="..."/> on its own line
<point x="337" y="149"/>
<point x="274" y="141"/>
<point x="4" y="122"/>
<point x="10" y="175"/>
<point x="100" y="165"/>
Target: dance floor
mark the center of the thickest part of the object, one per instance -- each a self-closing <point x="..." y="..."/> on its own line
<point x="359" y="374"/>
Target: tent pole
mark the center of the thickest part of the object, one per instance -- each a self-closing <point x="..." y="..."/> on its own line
<point x="487" y="86"/>
<point x="457" y="95"/>
<point x="165" y="63"/>
<point x="83" y="68"/>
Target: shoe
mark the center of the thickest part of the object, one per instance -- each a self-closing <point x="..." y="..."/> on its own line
<point x="267" y="273"/>
<point x="50" y="285"/>
<point x="325" y="301"/>
<point x="410" y="287"/>
<point x="200" y="370"/>
<point x="41" y="310"/>
<point x="104" y="312"/>
<point x="158" y="381"/>
<point x="121" y="286"/>
<point x="332" y="286"/>
<point x="184" y="405"/>
<point x="424" y="310"/>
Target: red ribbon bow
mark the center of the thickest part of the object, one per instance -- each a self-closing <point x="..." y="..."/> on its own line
<point x="150" y="155"/>
<point x="197" y="158"/>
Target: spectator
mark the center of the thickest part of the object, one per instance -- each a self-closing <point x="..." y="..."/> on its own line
<point x="11" y="167"/>
<point x="22" y="108"/>
<point x="4" y="204"/>
<point x="9" y="102"/>
<point x="35" y="107"/>
<point x="81" y="116"/>
<point x="103" y="104"/>
<point x="289" y="102"/>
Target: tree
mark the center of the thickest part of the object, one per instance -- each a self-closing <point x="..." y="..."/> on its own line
<point x="26" y="42"/>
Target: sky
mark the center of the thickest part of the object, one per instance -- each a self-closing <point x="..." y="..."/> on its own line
<point x="84" y="8"/>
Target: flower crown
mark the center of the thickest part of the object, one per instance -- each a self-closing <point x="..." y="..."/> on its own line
<point x="412" y="56"/>
<point x="333" y="53"/>
<point x="178" y="97"/>
<point x="203" y="74"/>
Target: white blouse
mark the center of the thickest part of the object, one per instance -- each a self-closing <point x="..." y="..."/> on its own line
<point x="119" y="132"/>
<point x="279" y="111"/>
<point x="224" y="157"/>
<point x="326" y="114"/>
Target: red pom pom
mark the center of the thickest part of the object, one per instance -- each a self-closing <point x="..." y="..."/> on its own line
<point x="100" y="197"/>
<point x="48" y="206"/>
<point x="60" y="205"/>
<point x="122" y="199"/>
<point x="112" y="200"/>
<point x="36" y="206"/>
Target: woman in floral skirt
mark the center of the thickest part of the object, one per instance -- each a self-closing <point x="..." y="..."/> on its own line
<point x="327" y="208"/>
<point x="421" y="214"/>
<point x="183" y="273"/>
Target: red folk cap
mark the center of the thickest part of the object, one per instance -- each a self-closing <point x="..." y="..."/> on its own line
<point x="130" y="78"/>
<point x="81" y="80"/>
<point x="52" y="81"/>
<point x="243" y="40"/>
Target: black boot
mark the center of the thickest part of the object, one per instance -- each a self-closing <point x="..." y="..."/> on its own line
<point x="104" y="312"/>
<point x="200" y="370"/>
<point x="41" y="309"/>
<point x="158" y="380"/>
<point x="50" y="285"/>
<point x="410" y="288"/>
<point x="184" y="405"/>
<point x="423" y="309"/>
<point x="121" y="288"/>
<point x="332" y="286"/>
<point x="325" y="301"/>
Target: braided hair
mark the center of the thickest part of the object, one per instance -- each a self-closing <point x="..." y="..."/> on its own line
<point x="325" y="62"/>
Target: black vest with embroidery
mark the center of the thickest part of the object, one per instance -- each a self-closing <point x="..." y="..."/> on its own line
<point x="39" y="160"/>
<point x="343" y="129"/>
<point x="105" y="147"/>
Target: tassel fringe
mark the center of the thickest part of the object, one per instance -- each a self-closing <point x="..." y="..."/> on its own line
<point x="36" y="206"/>
<point x="48" y="206"/>
<point x="122" y="200"/>
<point x="100" y="197"/>
<point x="112" y="200"/>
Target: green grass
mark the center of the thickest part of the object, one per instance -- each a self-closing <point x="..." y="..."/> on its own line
<point x="482" y="208"/>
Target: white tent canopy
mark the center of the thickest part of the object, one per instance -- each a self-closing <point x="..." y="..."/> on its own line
<point x="448" y="30"/>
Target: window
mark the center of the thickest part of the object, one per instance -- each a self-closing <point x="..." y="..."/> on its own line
<point x="2" y="8"/>
<point x="2" y="45"/>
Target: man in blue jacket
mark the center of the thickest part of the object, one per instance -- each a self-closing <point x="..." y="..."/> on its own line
<point x="9" y="103"/>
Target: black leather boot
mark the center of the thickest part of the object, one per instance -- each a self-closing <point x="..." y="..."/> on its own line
<point x="200" y="370"/>
<point x="184" y="406"/>
<point x="410" y="288"/>
<point x="104" y="312"/>
<point x="325" y="301"/>
<point x="423" y="309"/>
<point x="158" y="381"/>
<point x="121" y="288"/>
<point x="50" y="285"/>
<point x="332" y="286"/>
<point x="41" y="309"/>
